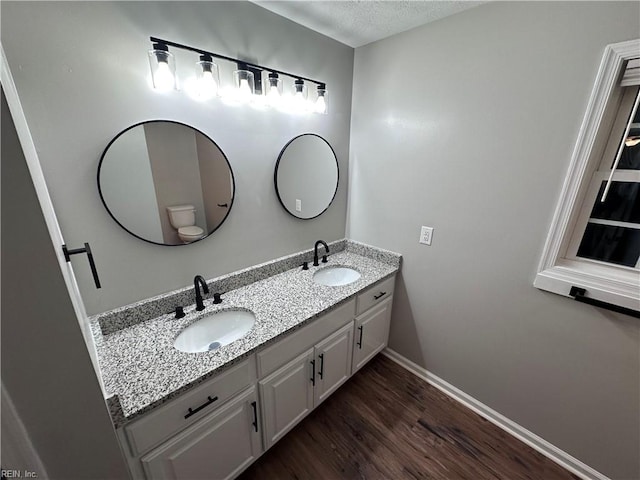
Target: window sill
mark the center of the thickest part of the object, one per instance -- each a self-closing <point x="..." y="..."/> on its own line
<point x="620" y="288"/>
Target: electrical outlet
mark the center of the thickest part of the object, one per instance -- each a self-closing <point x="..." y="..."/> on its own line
<point x="425" y="235"/>
<point x="298" y="205"/>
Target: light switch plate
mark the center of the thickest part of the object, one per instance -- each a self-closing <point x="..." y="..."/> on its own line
<point x="298" y="205"/>
<point x="425" y="235"/>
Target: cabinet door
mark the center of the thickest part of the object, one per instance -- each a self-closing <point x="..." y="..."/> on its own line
<point x="333" y="362"/>
<point x="287" y="396"/>
<point x="219" y="446"/>
<point x="371" y="333"/>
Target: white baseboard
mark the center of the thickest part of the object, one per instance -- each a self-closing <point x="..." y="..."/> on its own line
<point x="550" y="451"/>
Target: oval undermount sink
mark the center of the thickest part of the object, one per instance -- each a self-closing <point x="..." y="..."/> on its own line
<point x="336" y="276"/>
<point x="214" y="331"/>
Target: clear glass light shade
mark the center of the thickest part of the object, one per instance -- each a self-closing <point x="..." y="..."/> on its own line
<point x="321" y="104"/>
<point x="207" y="79"/>
<point x="163" y="70"/>
<point x="244" y="85"/>
<point x="299" y="91"/>
<point x="274" y="91"/>
<point x="299" y="101"/>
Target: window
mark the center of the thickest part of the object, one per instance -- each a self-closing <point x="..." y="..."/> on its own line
<point x="594" y="240"/>
<point x="608" y="226"/>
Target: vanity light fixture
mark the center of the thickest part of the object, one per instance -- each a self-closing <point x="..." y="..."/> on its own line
<point x="207" y="77"/>
<point x="299" y="104"/>
<point x="321" y="101"/>
<point x="163" y="67"/>
<point x="247" y="79"/>
<point x="245" y="83"/>
<point x="274" y="90"/>
<point x="300" y="89"/>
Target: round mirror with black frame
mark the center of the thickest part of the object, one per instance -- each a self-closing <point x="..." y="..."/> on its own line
<point x="166" y="183"/>
<point x="306" y="176"/>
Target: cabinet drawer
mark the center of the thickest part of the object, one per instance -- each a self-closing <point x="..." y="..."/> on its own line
<point x="167" y="420"/>
<point x="375" y="294"/>
<point x="293" y="345"/>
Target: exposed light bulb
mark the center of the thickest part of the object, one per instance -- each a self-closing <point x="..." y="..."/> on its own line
<point x="207" y="85"/>
<point x="273" y="97"/>
<point x="163" y="78"/>
<point x="321" y="105"/>
<point x="298" y="102"/>
<point x="244" y="90"/>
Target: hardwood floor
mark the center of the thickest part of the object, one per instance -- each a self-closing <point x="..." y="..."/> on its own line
<point x="386" y="423"/>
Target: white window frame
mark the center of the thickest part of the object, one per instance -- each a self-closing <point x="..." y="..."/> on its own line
<point x="603" y="173"/>
<point x="557" y="271"/>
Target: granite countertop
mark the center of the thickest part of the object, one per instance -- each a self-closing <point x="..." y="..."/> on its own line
<point x="142" y="369"/>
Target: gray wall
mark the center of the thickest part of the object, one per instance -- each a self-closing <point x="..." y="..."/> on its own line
<point x="126" y="179"/>
<point x="81" y="71"/>
<point x="471" y="132"/>
<point x="45" y="365"/>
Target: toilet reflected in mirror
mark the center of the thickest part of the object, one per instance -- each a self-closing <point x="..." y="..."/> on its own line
<point x="166" y="183"/>
<point x="183" y="219"/>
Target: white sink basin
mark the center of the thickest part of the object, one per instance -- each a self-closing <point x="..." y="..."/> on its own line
<point x="214" y="331"/>
<point x="336" y="276"/>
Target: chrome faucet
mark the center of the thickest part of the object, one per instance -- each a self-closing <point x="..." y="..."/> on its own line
<point x="199" y="280"/>
<point x="315" y="252"/>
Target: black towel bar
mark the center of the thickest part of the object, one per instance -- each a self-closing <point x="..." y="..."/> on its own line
<point x="92" y="264"/>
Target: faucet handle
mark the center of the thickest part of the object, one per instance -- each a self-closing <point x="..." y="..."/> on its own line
<point x="305" y="265"/>
<point x="216" y="298"/>
<point x="179" y="312"/>
<point x="324" y="259"/>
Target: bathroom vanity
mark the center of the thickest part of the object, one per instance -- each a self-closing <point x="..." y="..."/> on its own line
<point x="211" y="414"/>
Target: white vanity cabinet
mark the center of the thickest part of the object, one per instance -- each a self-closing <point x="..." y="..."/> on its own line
<point x="219" y="446"/>
<point x="291" y="392"/>
<point x="372" y="323"/>
<point x="218" y="428"/>
<point x="333" y="363"/>
<point x="371" y="333"/>
<point x="212" y="431"/>
<point x="287" y="397"/>
<point x="317" y="359"/>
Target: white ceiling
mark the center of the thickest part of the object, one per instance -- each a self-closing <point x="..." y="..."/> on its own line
<point x="358" y="22"/>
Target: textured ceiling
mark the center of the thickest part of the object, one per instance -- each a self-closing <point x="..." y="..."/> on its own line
<point x="358" y="22"/>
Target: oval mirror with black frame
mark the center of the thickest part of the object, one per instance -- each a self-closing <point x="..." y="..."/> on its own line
<point x="166" y="183"/>
<point x="306" y="176"/>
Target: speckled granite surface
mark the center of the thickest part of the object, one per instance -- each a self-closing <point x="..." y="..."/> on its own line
<point x="142" y="370"/>
<point x="129" y="315"/>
